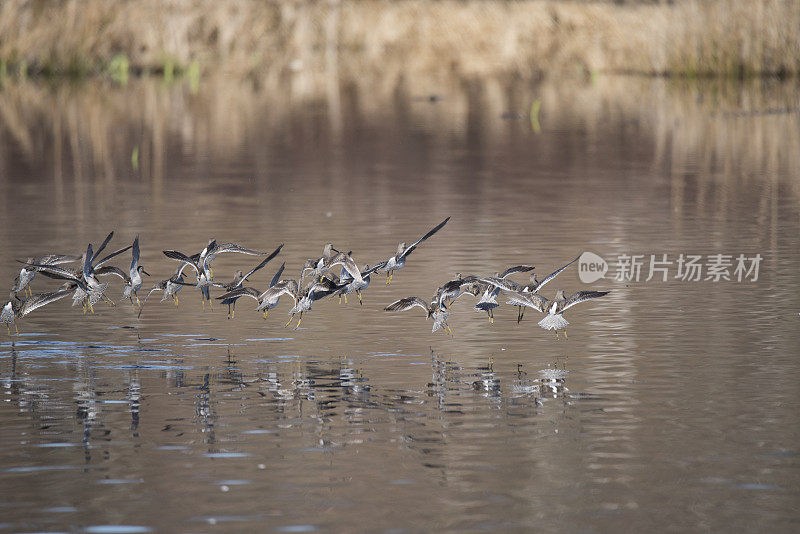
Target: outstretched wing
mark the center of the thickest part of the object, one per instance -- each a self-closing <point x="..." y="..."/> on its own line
<point x="54" y="271"/>
<point x="112" y="269"/>
<point x="263" y="263"/>
<point x="112" y="255"/>
<point x="413" y="245"/>
<point x="277" y="276"/>
<point x="87" y="263"/>
<point x="40" y="299"/>
<point x="453" y="286"/>
<point x="180" y="256"/>
<point x="458" y="283"/>
<point x="494" y="281"/>
<point x="531" y="300"/>
<point x="517" y="269"/>
<point x="101" y="248"/>
<point x="222" y="248"/>
<point x="553" y="275"/>
<point x="286" y="287"/>
<point x="373" y="269"/>
<point x="57" y="259"/>
<point x="135" y="256"/>
<point x="406" y="304"/>
<point x="347" y="262"/>
<point x="582" y="296"/>
<point x="240" y="292"/>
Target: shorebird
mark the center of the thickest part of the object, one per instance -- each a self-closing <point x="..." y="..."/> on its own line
<point x="450" y="291"/>
<point x="17" y="308"/>
<point x="170" y="286"/>
<point x="398" y="261"/>
<point x="433" y="311"/>
<point x="132" y="279"/>
<point x="321" y="264"/>
<point x="349" y="276"/>
<point x="201" y="262"/>
<point x="554" y="320"/>
<point x="223" y="248"/>
<point x="26" y="274"/>
<point x="535" y="285"/>
<point x="321" y="287"/>
<point x="267" y="299"/>
<point x="347" y="284"/>
<point x="195" y="261"/>
<point x="136" y="272"/>
<point x="89" y="290"/>
<point x="239" y="279"/>
<point x="490" y="287"/>
<point x="90" y="267"/>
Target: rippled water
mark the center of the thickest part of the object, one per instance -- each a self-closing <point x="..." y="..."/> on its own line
<point x="671" y="406"/>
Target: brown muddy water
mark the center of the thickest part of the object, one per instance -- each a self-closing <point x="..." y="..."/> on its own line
<point x="672" y="406"/>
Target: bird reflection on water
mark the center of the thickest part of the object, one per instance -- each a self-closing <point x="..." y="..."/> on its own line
<point x="328" y="385"/>
<point x="232" y="403"/>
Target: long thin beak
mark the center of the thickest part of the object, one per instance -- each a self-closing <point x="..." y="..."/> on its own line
<point x="333" y="249"/>
<point x="145" y="272"/>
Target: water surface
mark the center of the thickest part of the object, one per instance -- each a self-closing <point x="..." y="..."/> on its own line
<point x="671" y="406"/>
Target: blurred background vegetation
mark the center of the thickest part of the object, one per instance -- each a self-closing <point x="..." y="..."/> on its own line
<point x="377" y="38"/>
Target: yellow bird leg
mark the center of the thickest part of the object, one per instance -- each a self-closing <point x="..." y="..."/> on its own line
<point x="360" y="300"/>
<point x="565" y="334"/>
<point x="345" y="298"/>
<point x="291" y="318"/>
<point x="299" y="321"/>
<point x="16" y="328"/>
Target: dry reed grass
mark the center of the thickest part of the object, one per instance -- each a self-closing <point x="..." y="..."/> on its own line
<point x="385" y="40"/>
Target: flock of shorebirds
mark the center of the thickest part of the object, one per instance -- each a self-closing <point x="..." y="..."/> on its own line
<point x="316" y="281"/>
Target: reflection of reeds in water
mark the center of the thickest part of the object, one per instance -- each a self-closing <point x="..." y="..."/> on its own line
<point x="419" y="38"/>
<point x="91" y="131"/>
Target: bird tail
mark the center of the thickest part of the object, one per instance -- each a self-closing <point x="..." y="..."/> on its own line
<point x="96" y="294"/>
<point x="553" y="322"/>
<point x="485" y="306"/>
